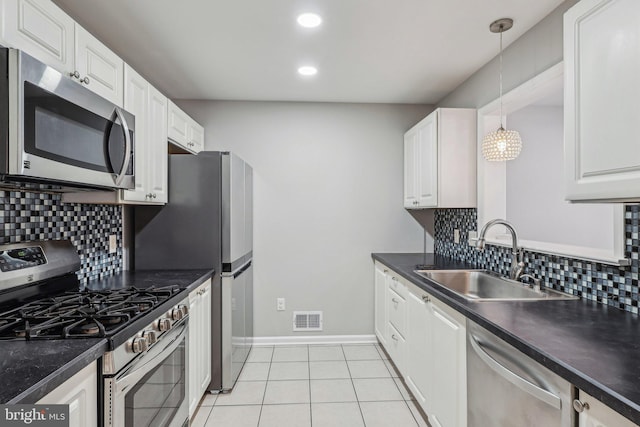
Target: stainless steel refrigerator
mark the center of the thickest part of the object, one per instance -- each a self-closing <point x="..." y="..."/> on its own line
<point x="208" y="223"/>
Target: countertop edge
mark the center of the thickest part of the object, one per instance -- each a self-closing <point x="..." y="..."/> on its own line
<point x="580" y="379"/>
<point x="47" y="384"/>
<point x="199" y="281"/>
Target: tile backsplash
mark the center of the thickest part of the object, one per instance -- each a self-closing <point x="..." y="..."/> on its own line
<point x="611" y="285"/>
<point x="27" y="216"/>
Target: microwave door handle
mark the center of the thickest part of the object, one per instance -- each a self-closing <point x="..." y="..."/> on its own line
<point x="127" y="147"/>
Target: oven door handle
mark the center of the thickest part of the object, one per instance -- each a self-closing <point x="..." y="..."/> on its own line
<point x="127" y="147"/>
<point x="150" y="360"/>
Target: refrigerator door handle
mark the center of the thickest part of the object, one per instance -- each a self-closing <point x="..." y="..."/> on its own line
<point x="238" y="271"/>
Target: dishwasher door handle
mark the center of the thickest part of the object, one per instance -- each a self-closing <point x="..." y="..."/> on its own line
<point x="515" y="379"/>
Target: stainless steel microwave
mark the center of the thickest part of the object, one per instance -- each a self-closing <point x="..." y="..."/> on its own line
<point x="56" y="131"/>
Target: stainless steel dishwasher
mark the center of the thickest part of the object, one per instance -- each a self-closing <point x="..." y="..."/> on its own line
<point x="506" y="388"/>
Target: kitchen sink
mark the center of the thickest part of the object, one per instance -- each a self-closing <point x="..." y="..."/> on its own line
<point x="482" y="285"/>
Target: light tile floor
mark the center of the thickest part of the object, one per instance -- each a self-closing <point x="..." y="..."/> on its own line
<point x="314" y="385"/>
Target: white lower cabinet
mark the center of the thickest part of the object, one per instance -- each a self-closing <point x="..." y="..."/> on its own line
<point x="380" y="292"/>
<point x="597" y="414"/>
<point x="396" y="347"/>
<point x="418" y="376"/>
<point x="80" y="392"/>
<point x="426" y="339"/>
<point x="436" y="358"/>
<point x="448" y="404"/>
<point x="199" y="348"/>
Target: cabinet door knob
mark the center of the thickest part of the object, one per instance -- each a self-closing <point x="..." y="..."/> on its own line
<point x="394" y="337"/>
<point x="154" y="195"/>
<point x="75" y="74"/>
<point x="426" y="298"/>
<point x="395" y="301"/>
<point x="580" y="406"/>
<point x="85" y="80"/>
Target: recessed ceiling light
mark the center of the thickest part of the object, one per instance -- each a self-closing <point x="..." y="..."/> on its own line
<point x="309" y="20"/>
<point x="308" y="70"/>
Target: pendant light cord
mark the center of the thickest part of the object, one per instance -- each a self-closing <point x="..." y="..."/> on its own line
<point x="501" y="31"/>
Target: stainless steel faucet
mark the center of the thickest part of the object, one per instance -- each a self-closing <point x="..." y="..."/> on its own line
<point x="517" y="263"/>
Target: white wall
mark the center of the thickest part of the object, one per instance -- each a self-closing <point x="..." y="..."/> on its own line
<point x="535" y="187"/>
<point x="327" y="193"/>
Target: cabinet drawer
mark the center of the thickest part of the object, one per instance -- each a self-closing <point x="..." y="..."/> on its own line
<point x="397" y="311"/>
<point x="395" y="282"/>
<point x="396" y="347"/>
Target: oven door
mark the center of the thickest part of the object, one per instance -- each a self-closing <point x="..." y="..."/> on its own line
<point x="151" y="391"/>
<point x="62" y="131"/>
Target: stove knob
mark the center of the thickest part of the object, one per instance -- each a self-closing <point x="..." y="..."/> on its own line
<point x="150" y="336"/>
<point x="185" y="310"/>
<point x="139" y="344"/>
<point x="177" y="314"/>
<point x="163" y="325"/>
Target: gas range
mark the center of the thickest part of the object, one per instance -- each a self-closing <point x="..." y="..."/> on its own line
<point x="81" y="314"/>
<point x="144" y="369"/>
<point x="40" y="299"/>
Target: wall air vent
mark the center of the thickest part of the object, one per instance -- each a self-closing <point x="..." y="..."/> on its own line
<point x="307" y="321"/>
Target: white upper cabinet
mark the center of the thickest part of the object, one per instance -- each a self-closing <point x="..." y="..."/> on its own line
<point x="41" y="29"/>
<point x="178" y="125"/>
<point x="46" y="32"/>
<point x="157" y="163"/>
<point x="196" y="136"/>
<point x="602" y="75"/>
<point x="150" y="108"/>
<point x="183" y="131"/>
<point x="440" y="160"/>
<point x="136" y="102"/>
<point x="98" y="67"/>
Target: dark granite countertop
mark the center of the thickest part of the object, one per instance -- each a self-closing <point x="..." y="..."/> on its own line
<point x="29" y="370"/>
<point x="595" y="347"/>
<point x="184" y="279"/>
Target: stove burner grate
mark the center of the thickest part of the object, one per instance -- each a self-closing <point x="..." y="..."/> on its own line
<point x="81" y="314"/>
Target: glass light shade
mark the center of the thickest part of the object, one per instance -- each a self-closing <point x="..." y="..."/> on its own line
<point x="501" y="145"/>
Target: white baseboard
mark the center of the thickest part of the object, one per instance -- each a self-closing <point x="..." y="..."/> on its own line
<point x="315" y="339"/>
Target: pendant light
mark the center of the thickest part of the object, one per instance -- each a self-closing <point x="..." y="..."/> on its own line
<point x="502" y="144"/>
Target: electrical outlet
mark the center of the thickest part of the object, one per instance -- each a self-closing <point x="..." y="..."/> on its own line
<point x="113" y="243"/>
<point x="473" y="237"/>
<point x="456" y="236"/>
<point x="280" y="304"/>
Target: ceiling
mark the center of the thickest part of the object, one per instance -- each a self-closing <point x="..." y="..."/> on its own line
<point x="383" y="51"/>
